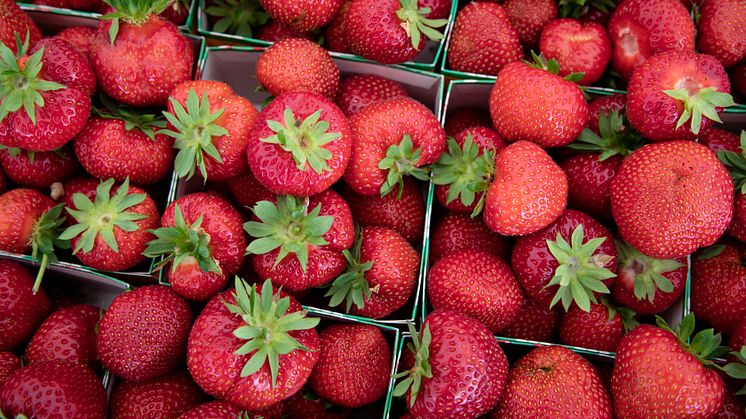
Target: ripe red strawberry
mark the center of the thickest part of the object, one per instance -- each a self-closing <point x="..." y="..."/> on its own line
<point x="38" y="169"/>
<point x="275" y="32"/>
<point x="483" y="40"/>
<point x="519" y="167"/>
<point x="139" y="57"/>
<point x="578" y="48"/>
<point x="647" y="285"/>
<point x="719" y="286"/>
<point x="307" y="405"/>
<point x="455" y="232"/>
<point x="730" y="149"/>
<point x="390" y="31"/>
<point x="21" y="311"/>
<point x="9" y="363"/>
<point x="675" y="94"/>
<point x="358" y="91"/>
<point x="463" y="118"/>
<point x="299" y="243"/>
<point x="177" y="11"/>
<point x="640" y="29"/>
<point x="529" y="17"/>
<point x="297" y="64"/>
<point x="144" y="333"/>
<point x="80" y="37"/>
<point x="220" y="409"/>
<point x="648" y="356"/>
<point x="302" y="15"/>
<point x="404" y="214"/>
<point x="210" y="124"/>
<point x="575" y="253"/>
<point x="554" y="381"/>
<point x="47" y="98"/>
<point x="442" y="374"/>
<point x="392" y="139"/>
<point x="738" y="336"/>
<point x="299" y="145"/>
<point x="439" y="9"/>
<point x="247" y="191"/>
<point x="162" y="397"/>
<point x="661" y="204"/>
<point x="478" y="284"/>
<point x="717" y="140"/>
<point x="233" y="356"/>
<point x="68" y="334"/>
<point x="534" y="321"/>
<point x="54" y="390"/>
<point x="381" y="274"/>
<point x="604" y="105"/>
<point x="335" y="33"/>
<point x="553" y="110"/>
<point x="720" y="30"/>
<point x="16" y="21"/>
<point x="348" y="350"/>
<point x="601" y="328"/>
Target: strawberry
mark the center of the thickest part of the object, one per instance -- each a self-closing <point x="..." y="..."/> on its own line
<point x="251" y="347"/>
<point x="732" y="408"/>
<point x="464" y="118"/>
<point x="534" y="321"/>
<point x="16" y="21"/>
<point x="46" y="94"/>
<point x="335" y="33"/>
<point x="247" y="191"/>
<point x="307" y="405"/>
<point x="661" y="204"/>
<point x="297" y="64"/>
<point x="162" y="397"/>
<point x="601" y="328"/>
<point x="38" y="169"/>
<point x="455" y="232"/>
<point x="299" y="243"/>
<point x="392" y="139"/>
<point x="139" y="57"/>
<point x="210" y="124"/>
<point x="441" y="375"/>
<point x="575" y="253"/>
<point x="483" y="40"/>
<point x="720" y="31"/>
<point x="738" y="79"/>
<point x="299" y="145"/>
<point x="718" y="140"/>
<point x="673" y="88"/>
<point x="439" y="9"/>
<point x="177" y="12"/>
<point x="554" y="382"/>
<point x="80" y="37"/>
<point x="390" y="31"/>
<point x="553" y="110"/>
<point x="719" y="286"/>
<point x="578" y="48"/>
<point x="647" y="285"/>
<point x="361" y="90"/>
<point x="68" y="334"/>
<point x="508" y="210"/>
<point x="381" y="274"/>
<point x="640" y="29"/>
<point x="478" y="284"/>
<point x="354" y="365"/>
<point x="54" y="390"/>
<point x="21" y="311"/>
<point x="9" y="363"/>
<point x="604" y="105"/>
<point x="302" y="15"/>
<point x="235" y="17"/>
<point x="276" y="32"/>
<point x="529" y="17"/>
<point x="220" y="409"/>
<point x="143" y="335"/>
<point x="201" y="237"/>
<point x="730" y="149"/>
<point x="404" y="214"/>
<point x="738" y="336"/>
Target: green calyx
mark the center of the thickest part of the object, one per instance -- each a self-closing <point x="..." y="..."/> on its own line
<point x="420" y="346"/>
<point x="305" y="140"/>
<point x="578" y="8"/>
<point x="737" y="369"/>
<point x="195" y="128"/>
<point x="182" y="243"/>
<point x="352" y="287"/>
<point x="580" y="273"/>
<point x="552" y="66"/>
<point x="401" y="160"/>
<point x="415" y="23"/>
<point x="146" y="123"/>
<point x="133" y="12"/>
<point x="45" y="236"/>
<point x="288" y="226"/>
<point x="102" y="215"/>
<point x="700" y="104"/>
<point x="465" y="172"/>
<point x="20" y="82"/>
<point x="266" y="327"/>
<point x="615" y="138"/>
<point x="237" y="17"/>
<point x="736" y="164"/>
<point x="626" y="315"/>
<point x="648" y="272"/>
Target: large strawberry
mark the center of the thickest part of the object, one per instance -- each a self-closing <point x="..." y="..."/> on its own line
<point x="578" y="48"/>
<point x="671" y="198"/>
<point x="299" y="242"/>
<point x="482" y="39"/>
<point x="38" y="169"/>
<point x="45" y="94"/>
<point x="302" y="15"/>
<point x="390" y="31"/>
<point x="441" y="376"/>
<point x="392" y="139"/>
<point x="640" y="29"/>
<point x="529" y="17"/>
<point x="252" y="347"/>
<point x="454" y="232"/>
<point x="16" y="21"/>
<point x="299" y="145"/>
<point x="21" y="311"/>
<point x="381" y="274"/>
<point x="139" y="57"/>
<point x="210" y="124"/>
<point x="552" y="112"/>
<point x="720" y="31"/>
<point x="719" y="286"/>
<point x="68" y="334"/>
<point x="361" y="90"/>
<point x="534" y="321"/>
<point x="162" y="397"/>
<point x="9" y="363"/>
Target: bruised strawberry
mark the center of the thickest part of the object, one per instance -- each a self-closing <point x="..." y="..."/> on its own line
<point x="534" y="321"/>
<point x="297" y="64"/>
<point x="21" y="311"/>
<point x="16" y="21"/>
<point x="275" y="32"/>
<point x="38" y="169"/>
<point x="455" y="232"/>
<point x="463" y="118"/>
<point x="529" y="17"/>
<point x="68" y="334"/>
<point x="361" y="90"/>
<point x="719" y="286"/>
<point x="162" y="397"/>
<point x="578" y="48"/>
<point x="302" y="15"/>
<point x="335" y="33"/>
<point x="9" y="363"/>
<point x="720" y="30"/>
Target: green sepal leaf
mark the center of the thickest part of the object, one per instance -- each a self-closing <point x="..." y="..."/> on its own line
<point x="704" y="103"/>
<point x="415" y="23"/>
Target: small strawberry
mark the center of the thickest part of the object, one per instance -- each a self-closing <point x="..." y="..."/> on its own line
<point x="302" y="15"/>
<point x="235" y="17"/>
<point x="534" y="321"/>
<point x="738" y="336"/>
<point x="68" y="334"/>
<point x="307" y="405"/>
<point x="162" y="397"/>
<point x="361" y="90"/>
<point x="276" y="32"/>
<point x="718" y="140"/>
<point x="601" y="328"/>
<point x="463" y="118"/>
<point x="15" y="21"/>
<point x="247" y="191"/>
<point x="38" y="170"/>
<point x="80" y="37"/>
<point x="455" y="232"/>
<point x="297" y="64"/>
<point x="21" y="311"/>
<point x="143" y="335"/>
<point x="220" y="409"/>
<point x="335" y="33"/>
<point x="720" y="31"/>
<point x="9" y="363"/>
<point x="381" y="274"/>
<point x="719" y="286"/>
<point x="604" y="105"/>
<point x="529" y="17"/>
<point x="578" y="48"/>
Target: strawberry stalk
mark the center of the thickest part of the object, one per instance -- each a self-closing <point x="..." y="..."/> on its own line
<point x="648" y="271"/>
<point x="415" y="23"/>
<point x="401" y="160"/>
<point x="131" y="118"/>
<point x="133" y="12"/>
<point x="352" y="287"/>
<point x="420" y="346"/>
<point x="703" y="103"/>
<point x="615" y="138"/>
<point x="44" y="238"/>
<point x="237" y="17"/>
<point x="736" y="163"/>
<point x="552" y="66"/>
